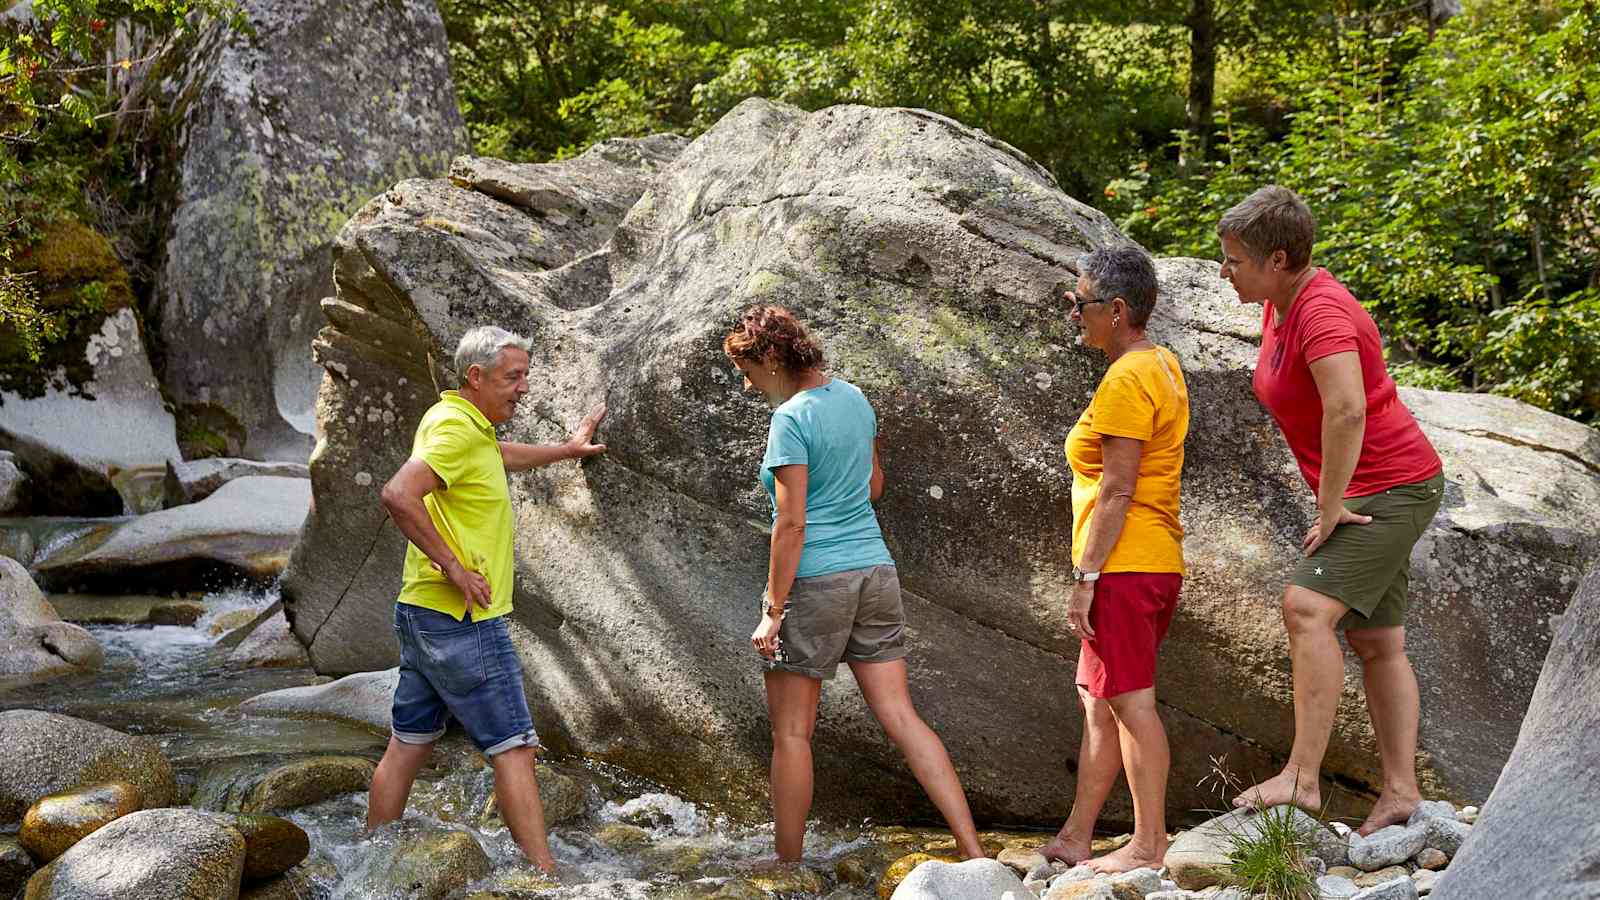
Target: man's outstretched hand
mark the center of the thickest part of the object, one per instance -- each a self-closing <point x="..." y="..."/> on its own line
<point x="581" y="444"/>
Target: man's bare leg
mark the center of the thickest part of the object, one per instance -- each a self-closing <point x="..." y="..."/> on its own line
<point x="1318" y="662"/>
<point x="1099" y="762"/>
<point x="391" y="783"/>
<point x="516" y="789"/>
<point x="1393" y="703"/>
<point x="1146" y="758"/>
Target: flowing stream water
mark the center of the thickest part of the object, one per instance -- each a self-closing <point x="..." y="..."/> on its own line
<point x="170" y="683"/>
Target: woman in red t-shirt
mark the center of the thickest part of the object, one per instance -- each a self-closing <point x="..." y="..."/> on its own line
<point x="1378" y="483"/>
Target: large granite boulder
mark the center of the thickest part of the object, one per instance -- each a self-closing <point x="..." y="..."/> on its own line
<point x="47" y="753"/>
<point x="35" y="644"/>
<point x="926" y="256"/>
<point x="156" y="854"/>
<point x="191" y="482"/>
<point x="90" y="413"/>
<point x="1539" y="832"/>
<point x="243" y="531"/>
<point x="285" y="131"/>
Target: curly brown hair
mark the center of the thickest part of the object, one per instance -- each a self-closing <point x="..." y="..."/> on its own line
<point x="773" y="331"/>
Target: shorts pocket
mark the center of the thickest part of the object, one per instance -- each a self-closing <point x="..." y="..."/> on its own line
<point x="453" y="658"/>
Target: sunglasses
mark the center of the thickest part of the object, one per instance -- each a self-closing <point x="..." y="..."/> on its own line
<point x="1077" y="303"/>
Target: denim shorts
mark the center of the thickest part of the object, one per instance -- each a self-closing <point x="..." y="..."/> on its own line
<point x="464" y="669"/>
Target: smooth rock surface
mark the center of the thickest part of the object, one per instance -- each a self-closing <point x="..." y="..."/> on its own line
<point x="1199" y="857"/>
<point x="366" y="698"/>
<point x="262" y="783"/>
<point x="190" y="481"/>
<point x="925" y="256"/>
<point x="1541" y="826"/>
<point x="153" y="854"/>
<point x="1401" y="888"/>
<point x="1431" y="809"/>
<point x="973" y="879"/>
<point x="35" y="644"/>
<point x="270" y="645"/>
<point x="1385" y="847"/>
<point x="55" y="822"/>
<point x="47" y="753"/>
<point x="1336" y="887"/>
<point x="285" y="132"/>
<point x="244" y="530"/>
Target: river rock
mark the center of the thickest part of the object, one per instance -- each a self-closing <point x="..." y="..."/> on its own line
<point x="262" y="783"/>
<point x="1445" y="835"/>
<point x="194" y="480"/>
<point x="270" y="645"/>
<point x="1199" y="857"/>
<point x="1335" y="887"/>
<point x="1432" y="858"/>
<point x="272" y="846"/>
<point x="1385" y="847"/>
<point x="1023" y="861"/>
<point x="362" y="699"/>
<point x="16" y="866"/>
<point x="13" y="484"/>
<point x="1541" y="827"/>
<point x="1091" y="890"/>
<point x="35" y="644"/>
<point x="244" y="530"/>
<point x="925" y="255"/>
<point x="294" y="884"/>
<point x="1401" y="888"/>
<point x="177" y="612"/>
<point x="55" y="822"/>
<point x="420" y="866"/>
<point x="1375" y="878"/>
<point x="47" y="753"/>
<point x="154" y="854"/>
<point x="1431" y="809"/>
<point x="973" y="879"/>
<point x="285" y="131"/>
<point x="107" y="609"/>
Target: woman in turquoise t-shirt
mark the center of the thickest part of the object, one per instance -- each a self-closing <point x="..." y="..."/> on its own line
<point x="832" y="592"/>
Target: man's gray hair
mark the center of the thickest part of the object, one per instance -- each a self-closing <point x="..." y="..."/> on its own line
<point x="1123" y="271"/>
<point x="1271" y="219"/>
<point x="481" y="347"/>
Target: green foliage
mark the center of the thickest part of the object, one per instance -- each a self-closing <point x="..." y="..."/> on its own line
<point x="1270" y="861"/>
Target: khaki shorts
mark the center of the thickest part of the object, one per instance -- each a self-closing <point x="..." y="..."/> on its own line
<point x="855" y="616"/>
<point x="1368" y="567"/>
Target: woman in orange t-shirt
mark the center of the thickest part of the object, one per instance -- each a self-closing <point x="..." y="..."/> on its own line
<point x="1126" y="454"/>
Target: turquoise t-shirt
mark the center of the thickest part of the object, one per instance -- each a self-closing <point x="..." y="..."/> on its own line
<point x="830" y="430"/>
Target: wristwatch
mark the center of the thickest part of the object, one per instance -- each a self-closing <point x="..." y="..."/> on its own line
<point x="1079" y="576"/>
<point x="772" y="609"/>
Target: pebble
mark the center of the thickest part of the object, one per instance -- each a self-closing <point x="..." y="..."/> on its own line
<point x="1432" y="858"/>
<point x="1431" y="809"/>
<point x="1386" y="846"/>
<point x="1372" y="879"/>
<point x="1467" y="814"/>
<point x="1425" y="880"/>
<point x="1350" y="872"/>
<point x="1024" y="861"/>
<point x="1144" y="881"/>
<point x="1335" y="887"/>
<point x="1402" y="888"/>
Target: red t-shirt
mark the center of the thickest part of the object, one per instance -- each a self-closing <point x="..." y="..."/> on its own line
<point x="1326" y="319"/>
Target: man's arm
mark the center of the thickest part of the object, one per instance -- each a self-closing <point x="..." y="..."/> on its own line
<point x="402" y="497"/>
<point x="522" y="457"/>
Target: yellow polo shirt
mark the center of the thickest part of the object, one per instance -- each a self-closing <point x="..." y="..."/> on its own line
<point x="472" y="512"/>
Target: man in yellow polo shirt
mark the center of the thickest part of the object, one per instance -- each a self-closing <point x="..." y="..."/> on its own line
<point x="453" y="504"/>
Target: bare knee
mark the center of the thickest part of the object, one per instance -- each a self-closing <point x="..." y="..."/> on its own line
<point x="792" y="733"/>
<point x="1373" y="645"/>
<point x="1097" y="713"/>
<point x="898" y="720"/>
<point x="1308" y="612"/>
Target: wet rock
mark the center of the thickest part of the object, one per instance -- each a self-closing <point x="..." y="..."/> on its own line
<point x="272" y="846"/>
<point x="1385" y="847"/>
<point x="789" y="881"/>
<point x="16" y="866"/>
<point x="977" y="879"/>
<point x="153" y="854"/>
<point x="622" y="837"/>
<point x="191" y="481"/>
<point x="1387" y="873"/>
<point x="233" y="626"/>
<point x="295" y="884"/>
<point x="107" y="609"/>
<point x="35" y="645"/>
<point x="270" y="645"/>
<point x="1402" y="888"/>
<point x="425" y="866"/>
<point x="244" y="530"/>
<point x="1199" y="857"/>
<point x="1432" y="858"/>
<point x="260" y="783"/>
<point x="1445" y="835"/>
<point x="285" y="131"/>
<point x="365" y="699"/>
<point x="900" y="868"/>
<point x="177" y="612"/>
<point x="55" y="822"/>
<point x="679" y="860"/>
<point x="46" y="753"/>
<point x="863" y="866"/>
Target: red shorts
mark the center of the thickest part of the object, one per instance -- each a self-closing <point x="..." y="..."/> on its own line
<point x="1130" y="616"/>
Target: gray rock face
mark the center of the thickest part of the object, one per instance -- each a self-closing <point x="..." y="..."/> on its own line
<point x="244" y="530"/>
<point x="72" y="442"/>
<point x="363" y="699"/>
<point x="1386" y="847"/>
<point x="154" y="854"/>
<point x="270" y="645"/>
<point x="46" y="753"/>
<point x="285" y="134"/>
<point x="974" y="879"/>
<point x="191" y="482"/>
<point x="35" y="645"/>
<point x="1541" y="828"/>
<point x="925" y="256"/>
<point x="13" y="483"/>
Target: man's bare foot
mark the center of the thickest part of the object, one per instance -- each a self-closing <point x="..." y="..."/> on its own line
<point x="1279" y="790"/>
<point x="1135" y="855"/>
<point x="1391" y="809"/>
<point x="1065" y="848"/>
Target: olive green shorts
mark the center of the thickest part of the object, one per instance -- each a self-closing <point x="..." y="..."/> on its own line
<point x="1368" y="567"/>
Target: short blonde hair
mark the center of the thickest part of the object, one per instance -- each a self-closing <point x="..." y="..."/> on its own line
<point x="1271" y="219"/>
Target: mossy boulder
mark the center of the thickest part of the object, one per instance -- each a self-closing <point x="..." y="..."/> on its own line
<point x="272" y="845"/>
<point x="56" y="822"/>
<point x="153" y="854"/>
<point x="262" y="783"/>
<point x="47" y="753"/>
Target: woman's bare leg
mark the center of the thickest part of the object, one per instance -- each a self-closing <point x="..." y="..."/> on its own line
<point x="792" y="707"/>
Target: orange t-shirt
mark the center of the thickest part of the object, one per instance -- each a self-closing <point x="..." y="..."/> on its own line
<point x="1142" y="396"/>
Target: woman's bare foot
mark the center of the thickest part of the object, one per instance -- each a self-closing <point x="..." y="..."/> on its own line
<point x="1067" y="848"/>
<point x="1135" y="855"/>
<point x="1282" y="789"/>
<point x="1391" y="809"/>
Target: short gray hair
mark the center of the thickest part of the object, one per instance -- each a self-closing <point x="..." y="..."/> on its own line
<point x="481" y="347"/>
<point x="1124" y="271"/>
<point x="1271" y="219"/>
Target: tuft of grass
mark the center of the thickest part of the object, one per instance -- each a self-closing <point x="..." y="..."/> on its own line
<point x="1271" y="861"/>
